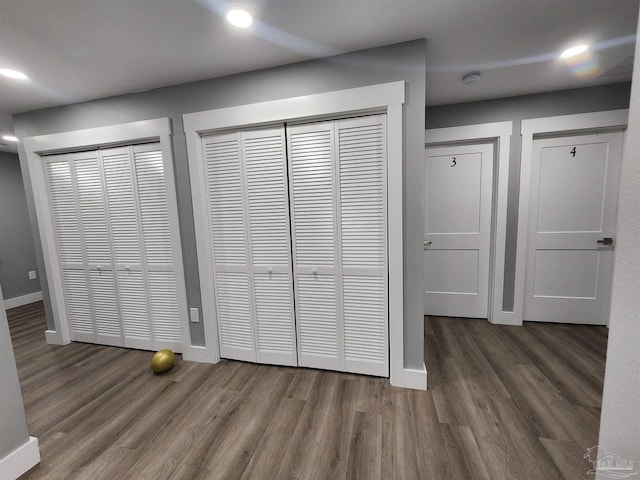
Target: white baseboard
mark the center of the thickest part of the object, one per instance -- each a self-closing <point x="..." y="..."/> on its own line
<point x="195" y="353"/>
<point x="53" y="338"/>
<point x="410" y="378"/>
<point x="20" y="460"/>
<point x="22" y="300"/>
<point x="506" y="318"/>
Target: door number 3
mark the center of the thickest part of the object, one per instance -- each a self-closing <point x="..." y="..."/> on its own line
<point x="453" y="164"/>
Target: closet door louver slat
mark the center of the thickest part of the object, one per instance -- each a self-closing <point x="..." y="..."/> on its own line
<point x="362" y="206"/>
<point x="66" y="224"/>
<point x="158" y="246"/>
<point x="78" y="307"/>
<point x="134" y="309"/>
<point x="225" y="196"/>
<point x="127" y="247"/>
<point x="66" y="218"/>
<point x="164" y="310"/>
<point x="264" y="161"/>
<point x="313" y="203"/>
<point x="97" y="246"/>
<point x="154" y="210"/>
<point x="123" y="214"/>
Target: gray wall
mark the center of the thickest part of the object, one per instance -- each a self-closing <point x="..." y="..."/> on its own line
<point x="404" y="61"/>
<point x="17" y="252"/>
<point x="516" y="109"/>
<point x="13" y="423"/>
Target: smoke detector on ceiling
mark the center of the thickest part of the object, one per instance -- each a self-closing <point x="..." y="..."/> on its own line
<point x="470" y="78"/>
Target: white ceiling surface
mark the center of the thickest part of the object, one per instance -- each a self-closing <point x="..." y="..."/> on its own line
<point x="77" y="50"/>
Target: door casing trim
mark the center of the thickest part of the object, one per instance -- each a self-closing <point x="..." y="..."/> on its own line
<point x="499" y="134"/>
<point x="581" y="123"/>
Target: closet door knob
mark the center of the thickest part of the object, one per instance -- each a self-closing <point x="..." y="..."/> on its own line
<point x="127" y="268"/>
<point x="314" y="271"/>
<point x="99" y="268"/>
<point x="269" y="270"/>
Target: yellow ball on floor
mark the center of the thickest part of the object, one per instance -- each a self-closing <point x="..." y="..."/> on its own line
<point x="162" y="361"/>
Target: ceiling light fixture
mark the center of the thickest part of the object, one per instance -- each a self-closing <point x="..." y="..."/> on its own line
<point x="9" y="138"/>
<point x="470" y="78"/>
<point x="7" y="72"/>
<point x="239" y="18"/>
<point x="573" y="51"/>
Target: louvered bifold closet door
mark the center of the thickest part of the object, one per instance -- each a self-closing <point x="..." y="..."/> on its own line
<point x="338" y="202"/>
<point x="362" y="166"/>
<point x="165" y="284"/>
<point x="96" y="235"/>
<point x="315" y="244"/>
<point x="267" y="205"/>
<point x="65" y="216"/>
<point x="229" y="244"/>
<point x="127" y="247"/>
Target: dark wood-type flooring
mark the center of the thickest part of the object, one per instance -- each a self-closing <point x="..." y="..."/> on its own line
<point x="503" y="403"/>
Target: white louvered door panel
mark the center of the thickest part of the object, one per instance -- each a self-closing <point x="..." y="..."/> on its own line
<point x="68" y="236"/>
<point x="97" y="246"/>
<point x="159" y="249"/>
<point x="267" y="204"/>
<point x="127" y="247"/>
<point x="229" y="244"/>
<point x="314" y="236"/>
<point x="362" y="210"/>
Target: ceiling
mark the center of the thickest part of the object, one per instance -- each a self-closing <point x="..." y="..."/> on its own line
<point x="77" y="50"/>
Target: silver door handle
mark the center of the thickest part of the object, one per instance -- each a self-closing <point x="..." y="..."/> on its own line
<point x="427" y="244"/>
<point x="605" y="241"/>
<point x="269" y="270"/>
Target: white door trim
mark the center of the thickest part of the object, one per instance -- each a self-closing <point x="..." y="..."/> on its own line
<point x="35" y="147"/>
<point x="498" y="133"/>
<point x="389" y="98"/>
<point x="548" y="126"/>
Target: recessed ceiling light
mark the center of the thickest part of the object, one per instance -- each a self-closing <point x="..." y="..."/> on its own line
<point x="9" y="138"/>
<point x="7" y="72"/>
<point x="573" y="51"/>
<point x="239" y="18"/>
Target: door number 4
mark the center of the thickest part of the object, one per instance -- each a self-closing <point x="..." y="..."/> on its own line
<point x="573" y="152"/>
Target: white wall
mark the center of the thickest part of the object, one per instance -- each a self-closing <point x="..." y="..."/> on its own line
<point x="620" y="419"/>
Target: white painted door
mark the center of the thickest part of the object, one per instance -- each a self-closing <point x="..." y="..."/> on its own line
<point x="337" y="173"/>
<point x="457" y="239"/>
<point x="574" y="189"/>
<point x="118" y="247"/>
<point x="249" y="222"/>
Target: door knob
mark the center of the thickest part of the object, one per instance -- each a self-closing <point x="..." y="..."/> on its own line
<point x="314" y="271"/>
<point x="269" y="270"/>
<point x="606" y="241"/>
<point x="427" y="243"/>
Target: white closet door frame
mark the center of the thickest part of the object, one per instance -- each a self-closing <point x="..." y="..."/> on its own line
<point x="158" y="129"/>
<point x="386" y="98"/>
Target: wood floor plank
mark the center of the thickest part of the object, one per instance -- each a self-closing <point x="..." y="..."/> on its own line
<point x="365" y="448"/>
<point x="269" y="453"/>
<point x="568" y="457"/>
<point x="504" y="403"/>
<point x="333" y="450"/>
